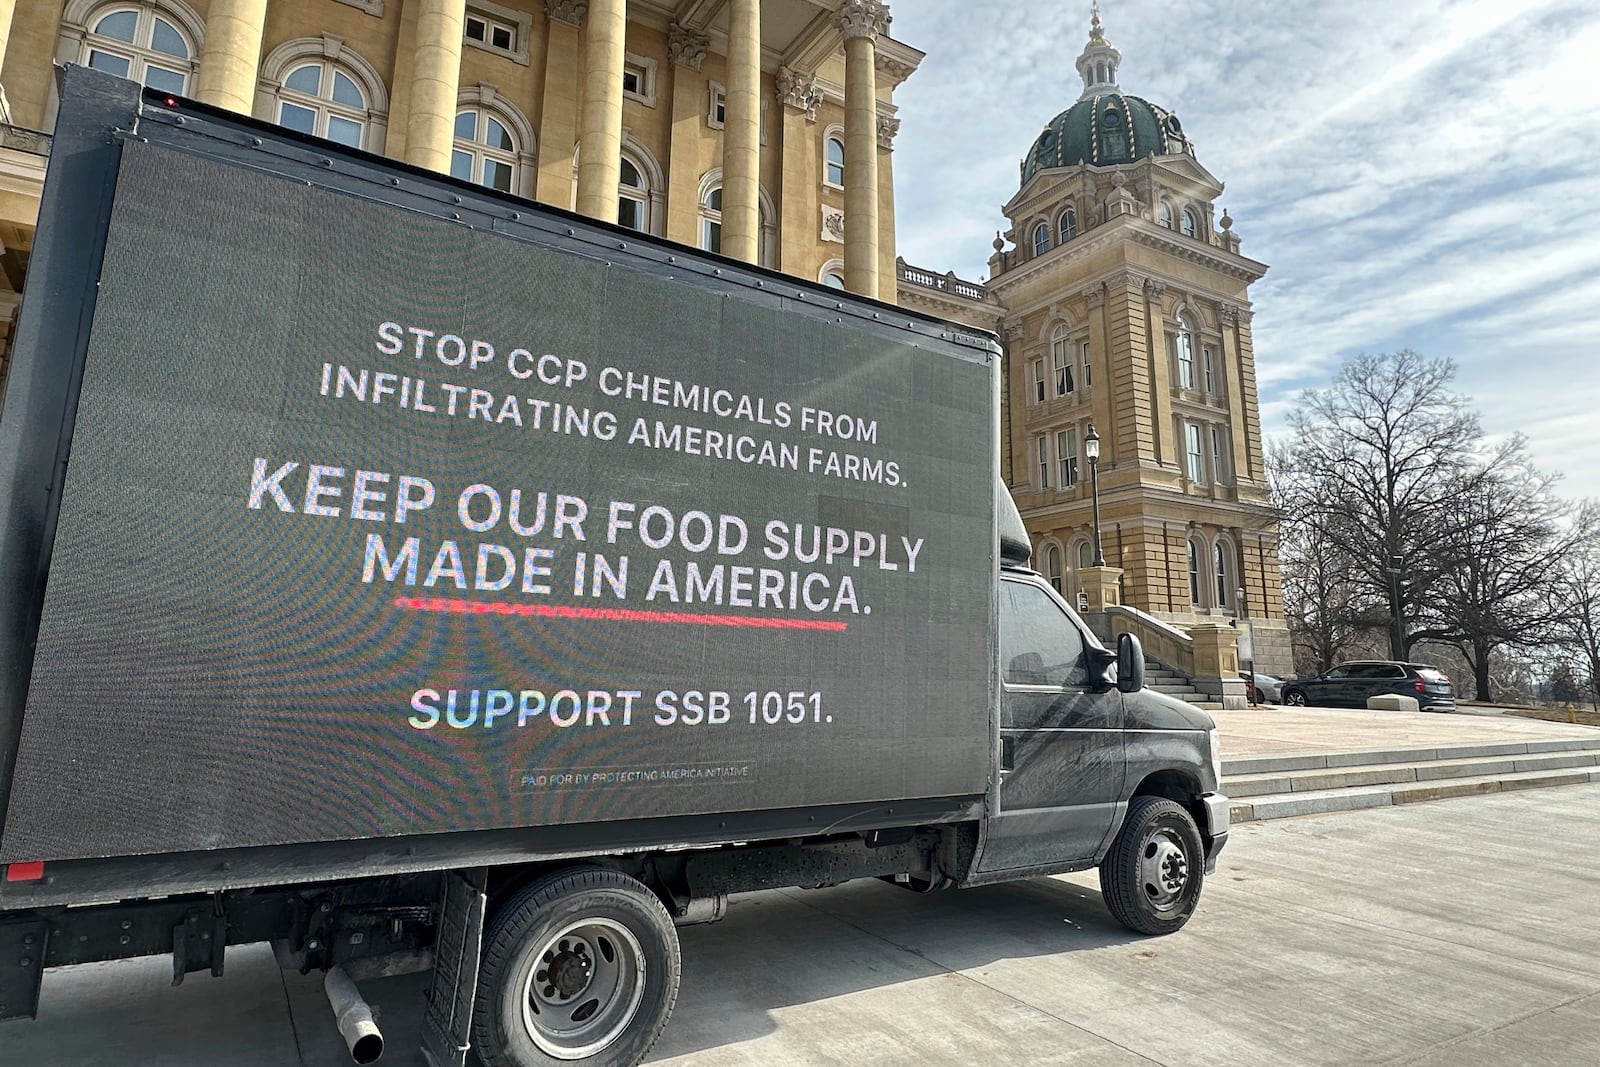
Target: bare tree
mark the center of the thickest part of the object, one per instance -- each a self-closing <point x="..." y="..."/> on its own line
<point x="1499" y="554"/>
<point x="1374" y="473"/>
<point x="1576" y="597"/>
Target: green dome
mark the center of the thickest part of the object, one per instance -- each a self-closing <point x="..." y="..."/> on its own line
<point x="1103" y="130"/>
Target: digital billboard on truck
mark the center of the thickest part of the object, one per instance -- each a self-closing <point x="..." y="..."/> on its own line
<point x="376" y="523"/>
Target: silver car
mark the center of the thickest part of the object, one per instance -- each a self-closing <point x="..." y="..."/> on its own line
<point x="1269" y="690"/>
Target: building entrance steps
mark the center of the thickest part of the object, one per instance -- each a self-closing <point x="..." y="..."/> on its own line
<point x="1283" y="763"/>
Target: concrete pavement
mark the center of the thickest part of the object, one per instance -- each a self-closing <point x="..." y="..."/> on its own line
<point x="1272" y="731"/>
<point x="1459" y="933"/>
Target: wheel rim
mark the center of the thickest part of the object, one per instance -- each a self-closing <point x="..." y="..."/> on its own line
<point x="1163" y="870"/>
<point x="1297" y="699"/>
<point x="583" y="987"/>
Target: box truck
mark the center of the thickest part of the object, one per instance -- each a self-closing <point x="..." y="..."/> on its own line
<point x="414" y="577"/>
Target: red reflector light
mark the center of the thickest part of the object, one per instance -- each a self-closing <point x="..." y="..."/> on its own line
<point x="25" y="872"/>
<point x="172" y="101"/>
<point x="1420" y="686"/>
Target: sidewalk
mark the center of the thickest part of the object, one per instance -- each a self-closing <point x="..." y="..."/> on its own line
<point x="1271" y="731"/>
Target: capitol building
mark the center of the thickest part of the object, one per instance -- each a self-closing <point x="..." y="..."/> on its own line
<point x="764" y="130"/>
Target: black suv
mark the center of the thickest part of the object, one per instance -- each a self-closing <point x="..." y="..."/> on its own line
<point x="1350" y="684"/>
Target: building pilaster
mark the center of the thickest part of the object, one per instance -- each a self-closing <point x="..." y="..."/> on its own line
<point x="600" y="140"/>
<point x="888" y="277"/>
<point x="1160" y="373"/>
<point x="1125" y="327"/>
<point x="558" y="121"/>
<point x="799" y="97"/>
<point x="686" y="53"/>
<point x="230" y="58"/>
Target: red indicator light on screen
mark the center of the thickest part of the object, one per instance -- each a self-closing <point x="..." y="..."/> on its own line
<point x="25" y="872"/>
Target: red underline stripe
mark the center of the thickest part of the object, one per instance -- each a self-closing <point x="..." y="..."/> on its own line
<point x="558" y="611"/>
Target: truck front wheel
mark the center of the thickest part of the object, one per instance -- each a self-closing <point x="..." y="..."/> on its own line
<point x="1151" y="878"/>
<point x="579" y="967"/>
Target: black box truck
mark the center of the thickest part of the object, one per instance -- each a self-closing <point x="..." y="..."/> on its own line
<point x="415" y="577"/>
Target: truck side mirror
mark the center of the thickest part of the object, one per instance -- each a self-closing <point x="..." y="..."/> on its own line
<point x="1130" y="663"/>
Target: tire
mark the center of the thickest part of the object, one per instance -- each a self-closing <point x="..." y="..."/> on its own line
<point x="1151" y="878"/>
<point x="619" y="965"/>
<point x="1294" y="698"/>
<point x="1261" y="698"/>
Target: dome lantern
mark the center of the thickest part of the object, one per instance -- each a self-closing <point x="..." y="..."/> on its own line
<point x="1098" y="63"/>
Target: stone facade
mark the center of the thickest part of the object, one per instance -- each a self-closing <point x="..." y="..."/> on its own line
<point x="526" y="63"/>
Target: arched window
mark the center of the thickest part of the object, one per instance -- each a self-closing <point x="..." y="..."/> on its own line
<point x="1166" y="214"/>
<point x="711" y="219"/>
<point x="1052" y="566"/>
<point x="1067" y="226"/>
<point x="485" y="150"/>
<point x="1219" y="560"/>
<point x="1183" y="345"/>
<point x="633" y="194"/>
<point x="835" y="149"/>
<point x="321" y="99"/>
<point x="1194" y="572"/>
<point x="1085" y="555"/>
<point x="1191" y="223"/>
<point x="1041" y="239"/>
<point x="140" y="42"/>
<point x="833" y="280"/>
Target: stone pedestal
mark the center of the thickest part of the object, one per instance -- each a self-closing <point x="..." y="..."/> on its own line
<point x="1102" y="586"/>
<point x="1216" y="664"/>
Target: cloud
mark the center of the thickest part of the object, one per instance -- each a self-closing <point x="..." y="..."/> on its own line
<point x="1416" y="174"/>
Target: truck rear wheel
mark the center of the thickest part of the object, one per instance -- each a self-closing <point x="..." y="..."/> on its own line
<point x="579" y="967"/>
<point x="1152" y="876"/>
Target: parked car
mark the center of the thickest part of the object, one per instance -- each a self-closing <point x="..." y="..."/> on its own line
<point x="1268" y="690"/>
<point x="1350" y="684"/>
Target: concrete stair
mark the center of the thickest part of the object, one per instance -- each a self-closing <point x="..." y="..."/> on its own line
<point x="1164" y="679"/>
<point x="1277" y="787"/>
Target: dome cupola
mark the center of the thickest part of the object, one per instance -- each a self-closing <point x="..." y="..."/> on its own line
<point x="1105" y="127"/>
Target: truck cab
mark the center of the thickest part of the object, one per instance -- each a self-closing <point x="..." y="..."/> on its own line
<point x="1094" y="768"/>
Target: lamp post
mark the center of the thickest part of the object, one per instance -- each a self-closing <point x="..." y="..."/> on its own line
<point x="1394" y="566"/>
<point x="1091" y="449"/>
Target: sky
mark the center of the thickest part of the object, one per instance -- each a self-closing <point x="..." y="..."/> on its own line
<point x="1423" y="174"/>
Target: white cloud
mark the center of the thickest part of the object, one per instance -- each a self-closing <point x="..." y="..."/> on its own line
<point x="1416" y="174"/>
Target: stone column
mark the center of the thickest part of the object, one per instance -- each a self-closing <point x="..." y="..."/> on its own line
<point x="1102" y="388"/>
<point x="7" y="7"/>
<point x="558" y="121"/>
<point x="1228" y="321"/>
<point x="1129" y="345"/>
<point x="230" y="59"/>
<point x="797" y="197"/>
<point x="741" y="134"/>
<point x="435" y="83"/>
<point x="862" y="22"/>
<point x="600" y="140"/>
<point x="1167" y="450"/>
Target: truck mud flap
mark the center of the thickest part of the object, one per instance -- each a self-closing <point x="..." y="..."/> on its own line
<point x="447" y="1018"/>
<point x="22" y="946"/>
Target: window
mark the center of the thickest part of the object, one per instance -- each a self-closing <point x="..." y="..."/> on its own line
<point x="1038" y="381"/>
<point x="320" y="99"/>
<point x="1088" y="379"/>
<point x="1061" y="356"/>
<point x="135" y="42"/>
<point x="485" y="151"/>
<point x="1043" y="444"/>
<point x="835" y="153"/>
<point x="833" y="280"/>
<point x="1038" y="643"/>
<point x="1085" y="555"/>
<point x="1209" y="358"/>
<point x="1191" y="225"/>
<point x="482" y="29"/>
<point x="632" y="196"/>
<point x="1067" y="226"/>
<point x="1194" y="572"/>
<point x="1219" y="553"/>
<point x="1052" y="566"/>
<point x="1191" y="434"/>
<point x="1067" y="458"/>
<point x="1041" y="239"/>
<point x="1218" y="453"/>
<point x="711" y="220"/>
<point x="1184" y="343"/>
<point x="639" y="80"/>
<point x="1166" y="214"/>
<point x="717" y="114"/>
